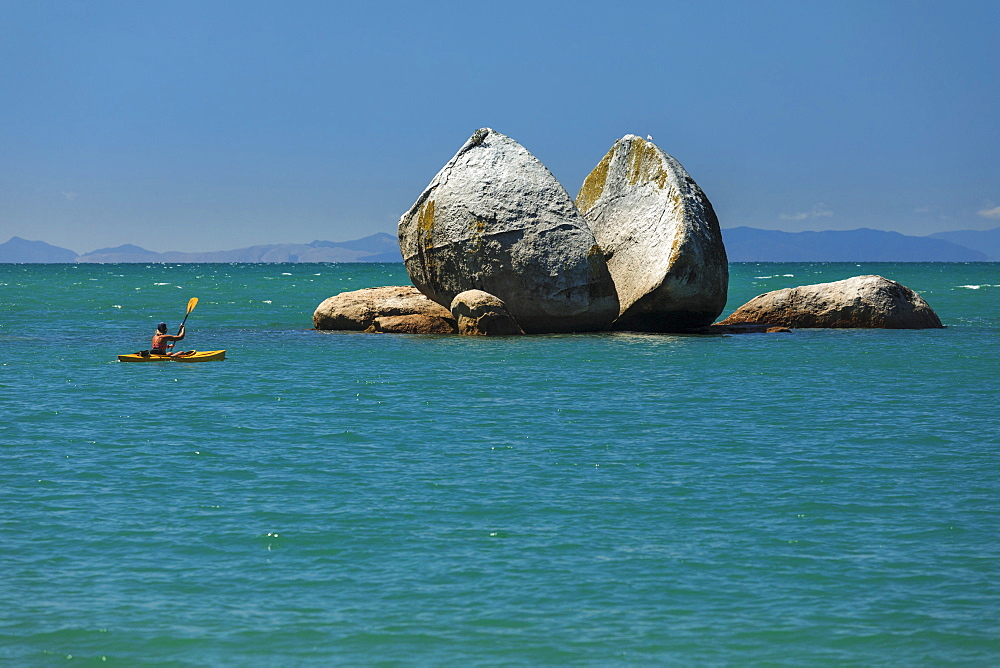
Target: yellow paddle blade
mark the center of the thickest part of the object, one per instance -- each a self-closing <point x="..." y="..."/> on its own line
<point x="191" y="304"/>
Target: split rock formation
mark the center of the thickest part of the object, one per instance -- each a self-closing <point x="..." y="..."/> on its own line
<point x="495" y="246"/>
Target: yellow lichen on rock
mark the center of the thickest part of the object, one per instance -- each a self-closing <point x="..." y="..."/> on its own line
<point x="425" y="224"/>
<point x="593" y="185"/>
<point x="645" y="165"/>
<point x="637" y="160"/>
<point x="659" y="178"/>
<point x="478" y="228"/>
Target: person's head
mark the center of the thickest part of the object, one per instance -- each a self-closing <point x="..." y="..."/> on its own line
<point x="162" y="328"/>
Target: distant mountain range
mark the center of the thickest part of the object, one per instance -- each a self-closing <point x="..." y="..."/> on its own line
<point x="375" y="248"/>
<point x="21" y="250"/>
<point x="743" y="244"/>
<point x="747" y="244"/>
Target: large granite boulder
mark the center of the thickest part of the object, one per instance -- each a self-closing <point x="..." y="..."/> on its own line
<point x="479" y="313"/>
<point x="660" y="236"/>
<point x="495" y="219"/>
<point x="358" y="309"/>
<point x="861" y="301"/>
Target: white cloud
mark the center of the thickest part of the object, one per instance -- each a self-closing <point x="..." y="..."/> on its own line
<point x="70" y="196"/>
<point x="990" y="213"/>
<point x="819" y="210"/>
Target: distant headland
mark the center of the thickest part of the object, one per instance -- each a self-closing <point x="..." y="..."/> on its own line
<point x="743" y="244"/>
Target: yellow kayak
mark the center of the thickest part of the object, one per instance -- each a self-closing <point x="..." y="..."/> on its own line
<point x="190" y="356"/>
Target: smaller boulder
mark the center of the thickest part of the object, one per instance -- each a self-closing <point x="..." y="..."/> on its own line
<point x="479" y="313"/>
<point x="412" y="324"/>
<point x="357" y="310"/>
<point x="858" y="302"/>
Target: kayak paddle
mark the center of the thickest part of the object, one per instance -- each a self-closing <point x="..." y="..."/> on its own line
<point x="191" y="304"/>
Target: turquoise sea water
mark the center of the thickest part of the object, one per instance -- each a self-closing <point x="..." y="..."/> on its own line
<point x="820" y="497"/>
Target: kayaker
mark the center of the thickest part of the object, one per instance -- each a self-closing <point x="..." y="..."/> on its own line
<point x="162" y="340"/>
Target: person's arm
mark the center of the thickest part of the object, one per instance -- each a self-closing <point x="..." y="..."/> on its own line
<point x="175" y="337"/>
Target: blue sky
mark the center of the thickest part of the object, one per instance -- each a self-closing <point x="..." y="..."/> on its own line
<point x="216" y="125"/>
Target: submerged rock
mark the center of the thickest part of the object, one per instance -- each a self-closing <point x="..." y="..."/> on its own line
<point x="861" y="301"/>
<point x="495" y="219"/>
<point x="479" y="313"/>
<point x="660" y="236"/>
<point x="720" y="329"/>
<point x="358" y="309"/>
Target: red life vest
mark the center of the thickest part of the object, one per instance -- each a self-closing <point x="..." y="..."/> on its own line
<point x="159" y="344"/>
